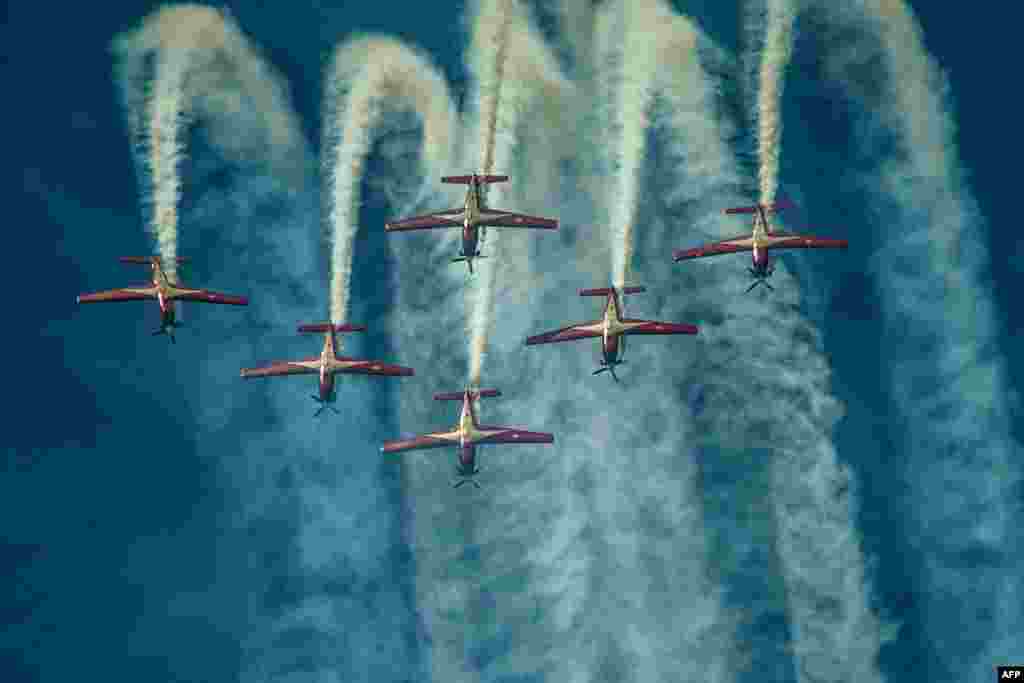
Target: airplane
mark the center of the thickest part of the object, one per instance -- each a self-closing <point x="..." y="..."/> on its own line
<point x="467" y="434"/>
<point x="471" y="217"/>
<point x="164" y="291"/>
<point x="328" y="364"/>
<point x="759" y="242"/>
<point x="612" y="328"/>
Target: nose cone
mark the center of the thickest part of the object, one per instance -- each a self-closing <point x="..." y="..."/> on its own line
<point x="326" y="386"/>
<point x="467" y="456"/>
<point x="611" y="348"/>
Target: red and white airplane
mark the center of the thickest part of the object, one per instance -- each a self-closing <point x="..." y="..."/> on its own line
<point x="471" y="217"/>
<point x="467" y="434"/>
<point x="328" y="364"/>
<point x="164" y="291"/>
<point x="612" y="328"/>
<point x="759" y="242"/>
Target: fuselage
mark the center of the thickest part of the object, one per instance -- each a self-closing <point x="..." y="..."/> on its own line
<point x="613" y="342"/>
<point x="761" y="265"/>
<point x="468" y="435"/>
<point x="163" y="295"/>
<point x="471" y="220"/>
<point x="327" y="393"/>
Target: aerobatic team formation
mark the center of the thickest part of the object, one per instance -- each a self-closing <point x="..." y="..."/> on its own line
<point x="612" y="327"/>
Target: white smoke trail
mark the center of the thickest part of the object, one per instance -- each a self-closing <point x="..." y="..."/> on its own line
<point x="156" y="106"/>
<point x="491" y="33"/>
<point x="766" y="388"/>
<point x="626" y="568"/>
<point x="165" y="148"/>
<point x="778" y="44"/>
<point x="320" y="520"/>
<point x="464" y="547"/>
<point x="948" y="376"/>
<point x="364" y="73"/>
<point x="182" y="40"/>
<point x="640" y="62"/>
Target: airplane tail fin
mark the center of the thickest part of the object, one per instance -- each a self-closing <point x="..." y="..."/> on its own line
<point x="476" y="393"/>
<point x="605" y="291"/>
<point x="467" y="179"/>
<point x="146" y="260"/>
<point x="774" y="207"/>
<point x="329" y="327"/>
<point x="463" y="481"/>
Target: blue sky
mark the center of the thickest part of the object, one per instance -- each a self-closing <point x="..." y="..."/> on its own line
<point x="143" y="537"/>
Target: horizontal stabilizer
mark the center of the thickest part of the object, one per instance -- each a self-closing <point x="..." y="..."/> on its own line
<point x="146" y="260"/>
<point x="467" y="179"/>
<point x="768" y="208"/>
<point x="605" y="291"/>
<point x="458" y="395"/>
<point x="328" y="327"/>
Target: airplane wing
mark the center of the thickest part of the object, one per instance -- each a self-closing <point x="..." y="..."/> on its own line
<point x="442" y="219"/>
<point x="206" y="296"/>
<point x="729" y="246"/>
<point x="127" y="294"/>
<point x="785" y="240"/>
<point x="494" y="218"/>
<point x="571" y="333"/>
<point x="306" y="366"/>
<point x="416" y="443"/>
<point x="655" y="327"/>
<point x="512" y="435"/>
<point x="370" y="367"/>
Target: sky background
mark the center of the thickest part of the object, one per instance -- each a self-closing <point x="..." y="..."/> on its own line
<point x="164" y="521"/>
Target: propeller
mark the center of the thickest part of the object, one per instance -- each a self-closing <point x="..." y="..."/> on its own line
<point x="608" y="367"/>
<point x="760" y="279"/>
<point x="168" y="329"/>
<point x="323" y="406"/>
